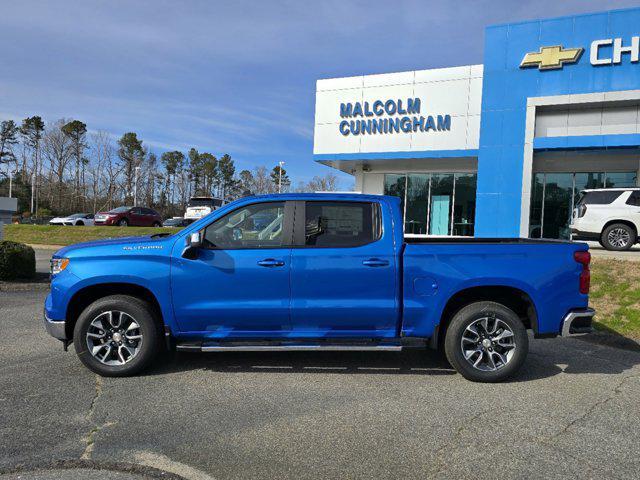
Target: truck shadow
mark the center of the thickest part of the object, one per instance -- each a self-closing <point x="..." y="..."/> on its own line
<point x="547" y="358"/>
<point x="408" y="362"/>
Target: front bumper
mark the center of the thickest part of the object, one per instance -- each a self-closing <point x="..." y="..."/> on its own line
<point x="578" y="322"/>
<point x="54" y="328"/>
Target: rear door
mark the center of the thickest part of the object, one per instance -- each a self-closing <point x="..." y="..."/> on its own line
<point x="343" y="271"/>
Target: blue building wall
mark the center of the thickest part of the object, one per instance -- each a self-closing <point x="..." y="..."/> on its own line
<point x="506" y="88"/>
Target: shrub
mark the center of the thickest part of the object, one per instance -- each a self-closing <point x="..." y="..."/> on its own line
<point x="17" y="260"/>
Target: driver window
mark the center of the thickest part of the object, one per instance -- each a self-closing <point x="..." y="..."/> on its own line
<point x="255" y="226"/>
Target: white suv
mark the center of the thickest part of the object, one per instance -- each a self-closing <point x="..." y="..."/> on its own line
<point x="611" y="216"/>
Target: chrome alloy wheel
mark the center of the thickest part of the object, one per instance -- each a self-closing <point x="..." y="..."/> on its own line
<point x="488" y="344"/>
<point x="619" y="237"/>
<point x="114" y="338"/>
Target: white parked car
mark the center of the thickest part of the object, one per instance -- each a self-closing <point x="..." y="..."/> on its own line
<point x="77" y="219"/>
<point x="610" y="216"/>
<point x="199" y="207"/>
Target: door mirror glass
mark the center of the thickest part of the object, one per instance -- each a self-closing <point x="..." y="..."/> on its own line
<point x="195" y="240"/>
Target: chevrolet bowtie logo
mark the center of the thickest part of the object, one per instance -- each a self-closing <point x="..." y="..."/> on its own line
<point x="549" y="58"/>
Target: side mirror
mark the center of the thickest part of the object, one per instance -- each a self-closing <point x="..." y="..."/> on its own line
<point x="194" y="242"/>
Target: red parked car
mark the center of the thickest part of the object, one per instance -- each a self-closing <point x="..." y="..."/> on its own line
<point x="129" y="216"/>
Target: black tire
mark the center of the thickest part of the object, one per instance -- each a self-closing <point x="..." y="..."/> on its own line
<point x="136" y="309"/>
<point x="123" y="222"/>
<point x="157" y="224"/>
<point x="79" y="223"/>
<point x="614" y="237"/>
<point x="495" y="312"/>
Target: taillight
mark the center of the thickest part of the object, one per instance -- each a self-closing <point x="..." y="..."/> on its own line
<point x="584" y="258"/>
<point x="582" y="209"/>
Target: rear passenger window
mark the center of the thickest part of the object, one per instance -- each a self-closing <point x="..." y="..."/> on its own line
<point x="341" y="224"/>
<point x="634" y="199"/>
<point x="600" y="198"/>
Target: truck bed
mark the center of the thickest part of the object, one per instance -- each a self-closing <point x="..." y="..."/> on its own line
<point x="523" y="241"/>
<point x="438" y="269"/>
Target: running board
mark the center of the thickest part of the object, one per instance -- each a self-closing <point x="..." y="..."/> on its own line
<point x="289" y="347"/>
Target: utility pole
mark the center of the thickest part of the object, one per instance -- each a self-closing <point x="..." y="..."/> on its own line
<point x="10" y="182"/>
<point x="135" y="187"/>
<point x="33" y="193"/>
<point x="280" y="177"/>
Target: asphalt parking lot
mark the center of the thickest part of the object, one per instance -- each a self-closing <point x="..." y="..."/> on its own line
<point x="573" y="412"/>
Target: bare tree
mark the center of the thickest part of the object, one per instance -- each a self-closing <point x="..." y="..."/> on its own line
<point x="328" y="183"/>
<point x="56" y="147"/>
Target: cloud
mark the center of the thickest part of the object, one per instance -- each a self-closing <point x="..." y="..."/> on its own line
<point x="235" y="77"/>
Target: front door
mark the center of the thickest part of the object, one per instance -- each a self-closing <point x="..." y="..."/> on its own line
<point x="136" y="217"/>
<point x="343" y="271"/>
<point x="239" y="285"/>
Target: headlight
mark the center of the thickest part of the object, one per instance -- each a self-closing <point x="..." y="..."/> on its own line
<point x="58" y="265"/>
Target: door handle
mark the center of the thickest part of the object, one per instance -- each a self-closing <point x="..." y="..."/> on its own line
<point x="375" y="262"/>
<point x="270" y="262"/>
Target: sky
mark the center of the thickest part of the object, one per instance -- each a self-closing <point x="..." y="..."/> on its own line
<point x="234" y="77"/>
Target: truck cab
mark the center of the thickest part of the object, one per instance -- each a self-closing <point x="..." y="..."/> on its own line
<point x="315" y="272"/>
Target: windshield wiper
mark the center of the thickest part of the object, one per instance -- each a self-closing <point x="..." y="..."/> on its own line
<point x="159" y="235"/>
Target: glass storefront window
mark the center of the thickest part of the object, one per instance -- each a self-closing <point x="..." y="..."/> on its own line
<point x="440" y="204"/>
<point x="395" y="186"/>
<point x="621" y="179"/>
<point x="436" y="203"/>
<point x="554" y="195"/>
<point x="415" y="219"/>
<point x="464" y="204"/>
<point x="535" y="218"/>
<point x="558" y="197"/>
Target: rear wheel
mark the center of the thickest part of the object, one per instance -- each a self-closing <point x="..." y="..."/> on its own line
<point x="123" y="222"/>
<point x="486" y="342"/>
<point x="618" y="237"/>
<point x="157" y="224"/>
<point x="117" y="336"/>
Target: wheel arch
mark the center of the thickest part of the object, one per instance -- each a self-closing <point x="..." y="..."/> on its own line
<point x="628" y="223"/>
<point x="89" y="294"/>
<point x="511" y="297"/>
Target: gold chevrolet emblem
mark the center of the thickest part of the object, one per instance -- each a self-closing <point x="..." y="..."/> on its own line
<point x="549" y="58"/>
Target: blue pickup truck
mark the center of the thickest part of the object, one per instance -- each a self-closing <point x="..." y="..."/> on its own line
<point x="315" y="272"/>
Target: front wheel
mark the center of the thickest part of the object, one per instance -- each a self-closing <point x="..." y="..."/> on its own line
<point x="156" y="224"/>
<point x="123" y="223"/>
<point x="116" y="336"/>
<point x="618" y="237"/>
<point x="486" y="342"/>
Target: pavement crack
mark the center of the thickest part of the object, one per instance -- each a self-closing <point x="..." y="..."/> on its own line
<point x="96" y="396"/>
<point x="89" y="438"/>
<point x="616" y="390"/>
<point x="440" y="462"/>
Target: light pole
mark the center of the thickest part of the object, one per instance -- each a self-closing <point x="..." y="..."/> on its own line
<point x="10" y="182"/>
<point x="280" y="177"/>
<point x="135" y="187"/>
<point x="33" y="192"/>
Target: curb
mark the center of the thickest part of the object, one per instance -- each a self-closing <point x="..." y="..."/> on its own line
<point x="45" y="246"/>
<point x="24" y="286"/>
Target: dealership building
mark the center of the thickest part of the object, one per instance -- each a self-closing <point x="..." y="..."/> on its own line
<point x="501" y="149"/>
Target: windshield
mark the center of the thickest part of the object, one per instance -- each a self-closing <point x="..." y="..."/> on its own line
<point x="77" y="215"/>
<point x="120" y="210"/>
